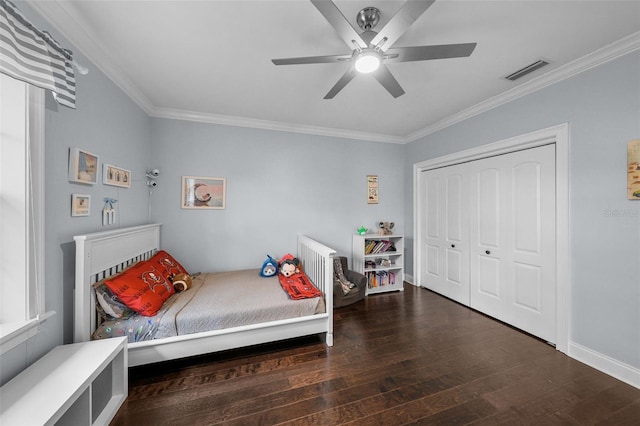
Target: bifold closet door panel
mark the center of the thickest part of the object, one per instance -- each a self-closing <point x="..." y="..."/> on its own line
<point x="433" y="238"/>
<point x="512" y="237"/>
<point x="446" y="242"/>
<point x="488" y="236"/>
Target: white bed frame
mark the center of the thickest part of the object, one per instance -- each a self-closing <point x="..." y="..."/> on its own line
<point x="102" y="254"/>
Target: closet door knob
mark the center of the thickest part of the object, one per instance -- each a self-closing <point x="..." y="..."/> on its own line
<point x="453" y="246"/>
<point x="487" y="251"/>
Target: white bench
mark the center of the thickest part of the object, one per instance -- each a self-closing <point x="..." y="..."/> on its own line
<point x="78" y="384"/>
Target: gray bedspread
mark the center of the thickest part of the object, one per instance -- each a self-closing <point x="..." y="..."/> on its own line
<point x="217" y="300"/>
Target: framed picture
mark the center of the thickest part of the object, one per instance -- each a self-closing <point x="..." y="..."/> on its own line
<point x="203" y="192"/>
<point x="633" y="170"/>
<point x="83" y="166"/>
<point x="80" y="204"/>
<point x="115" y="176"/>
<point x="372" y="189"/>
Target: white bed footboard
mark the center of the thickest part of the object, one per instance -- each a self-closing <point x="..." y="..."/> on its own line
<point x="317" y="262"/>
<point x="102" y="254"/>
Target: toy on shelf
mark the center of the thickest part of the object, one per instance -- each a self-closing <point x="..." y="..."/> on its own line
<point x="385" y="228"/>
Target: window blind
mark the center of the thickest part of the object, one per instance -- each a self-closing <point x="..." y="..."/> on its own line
<point x="33" y="56"/>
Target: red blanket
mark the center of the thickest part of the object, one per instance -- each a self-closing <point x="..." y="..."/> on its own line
<point x="298" y="286"/>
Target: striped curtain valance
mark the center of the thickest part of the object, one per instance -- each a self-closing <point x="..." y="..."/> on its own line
<point x="34" y="57"/>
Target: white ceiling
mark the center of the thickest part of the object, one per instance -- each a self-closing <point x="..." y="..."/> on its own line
<point x="211" y="60"/>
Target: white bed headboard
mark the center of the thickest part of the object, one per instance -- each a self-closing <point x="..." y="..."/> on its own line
<point x="100" y="255"/>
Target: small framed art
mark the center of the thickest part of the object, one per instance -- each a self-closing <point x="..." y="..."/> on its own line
<point x="80" y="204"/>
<point x="633" y="170"/>
<point x="115" y="176"/>
<point x="203" y="192"/>
<point x="83" y="166"/>
<point x="372" y="189"/>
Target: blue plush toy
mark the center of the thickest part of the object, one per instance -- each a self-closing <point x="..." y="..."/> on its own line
<point x="269" y="267"/>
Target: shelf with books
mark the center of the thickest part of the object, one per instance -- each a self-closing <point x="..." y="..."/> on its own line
<point x="380" y="259"/>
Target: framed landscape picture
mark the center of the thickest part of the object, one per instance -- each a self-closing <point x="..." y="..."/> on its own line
<point x="203" y="192"/>
<point x="83" y="166"/>
<point x="115" y="176"/>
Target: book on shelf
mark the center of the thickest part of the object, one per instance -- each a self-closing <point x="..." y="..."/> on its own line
<point x="378" y="246"/>
<point x="380" y="278"/>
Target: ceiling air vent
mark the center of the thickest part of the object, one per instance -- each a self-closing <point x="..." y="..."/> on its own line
<point x="526" y="70"/>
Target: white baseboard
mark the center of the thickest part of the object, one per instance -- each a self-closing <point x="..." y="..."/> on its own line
<point x="606" y="364"/>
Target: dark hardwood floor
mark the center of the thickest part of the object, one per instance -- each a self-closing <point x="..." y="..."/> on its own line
<point x="409" y="357"/>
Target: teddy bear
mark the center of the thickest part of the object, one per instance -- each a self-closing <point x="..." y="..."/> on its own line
<point x="289" y="265"/>
<point x="181" y="282"/>
<point x="384" y="228"/>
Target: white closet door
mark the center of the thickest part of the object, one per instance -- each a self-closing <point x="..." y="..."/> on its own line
<point x="446" y="243"/>
<point x="512" y="237"/>
<point x="432" y="231"/>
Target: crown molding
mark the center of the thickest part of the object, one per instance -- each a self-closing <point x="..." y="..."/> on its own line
<point x="74" y="28"/>
<point x="229" y="120"/>
<point x="598" y="57"/>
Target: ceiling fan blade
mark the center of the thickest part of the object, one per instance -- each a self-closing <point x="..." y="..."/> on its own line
<point x="424" y="53"/>
<point x="312" y="60"/>
<point x="388" y="81"/>
<point x="400" y="22"/>
<point x="337" y="20"/>
<point x="344" y="80"/>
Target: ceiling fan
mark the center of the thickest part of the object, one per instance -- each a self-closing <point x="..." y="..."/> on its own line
<point x="373" y="50"/>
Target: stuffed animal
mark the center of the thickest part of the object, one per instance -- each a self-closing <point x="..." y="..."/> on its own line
<point x="269" y="267"/>
<point x="289" y="265"/>
<point x="181" y="282"/>
<point x="384" y="228"/>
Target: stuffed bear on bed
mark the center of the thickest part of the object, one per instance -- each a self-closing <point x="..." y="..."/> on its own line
<point x="181" y="282"/>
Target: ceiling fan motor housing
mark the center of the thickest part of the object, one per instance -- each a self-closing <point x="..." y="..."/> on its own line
<point x="368" y="18"/>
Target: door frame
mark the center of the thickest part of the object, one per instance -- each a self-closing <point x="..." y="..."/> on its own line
<point x="557" y="135"/>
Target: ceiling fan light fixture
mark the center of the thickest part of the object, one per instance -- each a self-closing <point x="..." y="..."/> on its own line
<point x="367" y="62"/>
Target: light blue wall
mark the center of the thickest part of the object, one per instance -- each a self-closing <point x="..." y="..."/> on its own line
<point x="278" y="185"/>
<point x="602" y="107"/>
<point x="106" y="123"/>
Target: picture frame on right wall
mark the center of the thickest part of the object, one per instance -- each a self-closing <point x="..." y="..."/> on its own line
<point x="372" y="189"/>
<point x="633" y="170"/>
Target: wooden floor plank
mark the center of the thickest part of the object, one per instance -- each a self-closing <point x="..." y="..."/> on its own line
<point x="410" y="357"/>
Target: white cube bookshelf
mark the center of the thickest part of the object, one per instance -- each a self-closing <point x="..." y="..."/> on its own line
<point x="78" y="384"/>
<point x="381" y="259"/>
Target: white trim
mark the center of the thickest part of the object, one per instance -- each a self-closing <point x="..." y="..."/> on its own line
<point x="559" y="135"/>
<point x="24" y="324"/>
<point x="598" y="57"/>
<point x="229" y="120"/>
<point x="76" y="29"/>
<point x="606" y="364"/>
<point x="36" y="227"/>
<point x="14" y="334"/>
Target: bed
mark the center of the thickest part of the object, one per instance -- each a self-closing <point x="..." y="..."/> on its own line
<point x="104" y="254"/>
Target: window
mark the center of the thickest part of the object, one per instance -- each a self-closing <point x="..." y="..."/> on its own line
<point x="21" y="211"/>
